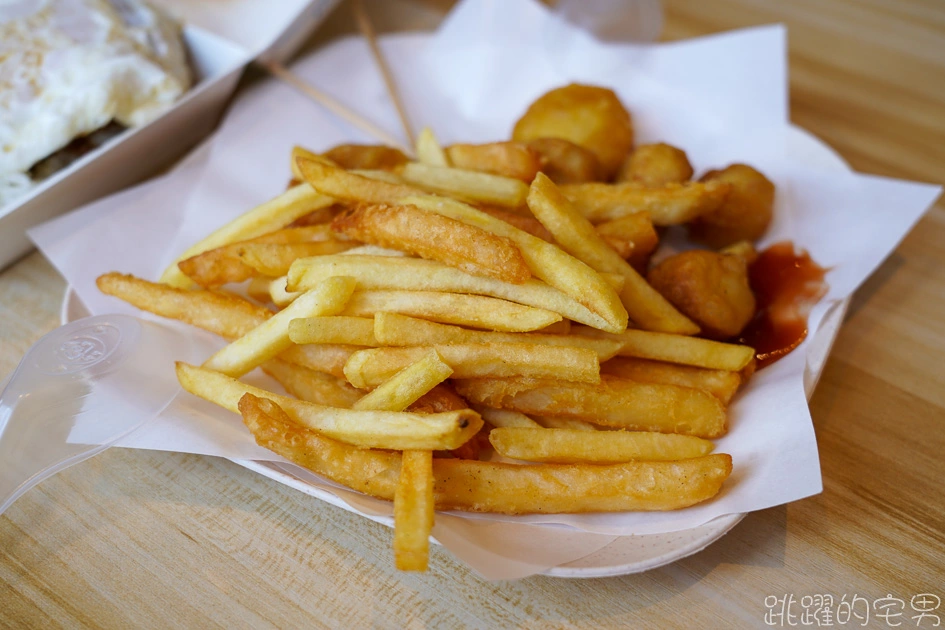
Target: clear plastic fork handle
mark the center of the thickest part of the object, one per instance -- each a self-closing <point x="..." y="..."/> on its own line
<point x="80" y="389"/>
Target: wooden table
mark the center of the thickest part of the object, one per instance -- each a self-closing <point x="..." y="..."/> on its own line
<point x="135" y="538"/>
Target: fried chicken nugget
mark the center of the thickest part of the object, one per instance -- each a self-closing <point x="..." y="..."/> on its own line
<point x="592" y="117"/>
<point x="710" y="288"/>
<point x="565" y="162"/>
<point x="655" y="165"/>
<point x="746" y="212"/>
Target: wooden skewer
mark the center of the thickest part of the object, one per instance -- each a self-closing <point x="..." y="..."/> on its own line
<point x="334" y="106"/>
<point x="367" y="31"/>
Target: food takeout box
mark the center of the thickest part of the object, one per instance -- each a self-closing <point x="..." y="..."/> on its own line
<point x="222" y="37"/>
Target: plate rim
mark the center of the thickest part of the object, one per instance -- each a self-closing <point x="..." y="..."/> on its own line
<point x="714" y="529"/>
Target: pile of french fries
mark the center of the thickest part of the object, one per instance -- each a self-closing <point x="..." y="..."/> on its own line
<point x="452" y="333"/>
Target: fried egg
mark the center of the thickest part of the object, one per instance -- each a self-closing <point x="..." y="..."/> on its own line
<point x="69" y="67"/>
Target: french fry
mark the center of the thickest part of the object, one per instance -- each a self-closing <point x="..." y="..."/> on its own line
<point x="577" y="236"/>
<point x="472" y="185"/>
<point x="272" y="215"/>
<point x="435" y="237"/>
<point x="411" y="274"/>
<point x="381" y="176"/>
<point x="505" y="417"/>
<point x="704" y="353"/>
<point x="548" y="262"/>
<point x="508" y="159"/>
<point x="224" y="314"/>
<point x="315" y="387"/>
<point x="302" y="152"/>
<point x="525" y="223"/>
<point x="476" y="311"/>
<point x="271" y="338"/>
<point x="632" y="236"/>
<point x="408" y="385"/>
<point x="366" y="429"/>
<point x="277" y="292"/>
<point x="353" y="331"/>
<point x="223" y="265"/>
<point x="439" y="399"/>
<point x="274" y="259"/>
<point x="327" y="358"/>
<point x="670" y="204"/>
<point x="569" y="424"/>
<point x="374" y="250"/>
<point x="392" y="329"/>
<point x="476" y="486"/>
<point x="558" y="328"/>
<point x="568" y="446"/>
<point x="614" y="402"/>
<point x="370" y="368"/>
<point x="340" y="184"/>
<point x="429" y="150"/>
<point x="258" y="288"/>
<point x="413" y="511"/>
<point x="720" y="383"/>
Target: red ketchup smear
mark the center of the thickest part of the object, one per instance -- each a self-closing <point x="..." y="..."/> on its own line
<point x="786" y="285"/>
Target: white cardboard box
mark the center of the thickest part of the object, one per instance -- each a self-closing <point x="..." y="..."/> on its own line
<point x="222" y="38"/>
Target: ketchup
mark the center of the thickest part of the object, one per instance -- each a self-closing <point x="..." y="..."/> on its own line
<point x="786" y="285"/>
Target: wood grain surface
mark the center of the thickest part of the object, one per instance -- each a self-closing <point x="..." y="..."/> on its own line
<point x="147" y="539"/>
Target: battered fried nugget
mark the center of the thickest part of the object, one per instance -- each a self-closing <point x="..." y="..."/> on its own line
<point x="710" y="288"/>
<point x="366" y="156"/>
<point x="746" y="212"/>
<point x="592" y="117"/>
<point x="565" y="162"/>
<point x="655" y="165"/>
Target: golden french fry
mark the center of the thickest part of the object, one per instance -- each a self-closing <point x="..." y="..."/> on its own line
<point x="614" y="402"/>
<point x="491" y="486"/>
<point x="274" y="259"/>
<point x="525" y="223"/>
<point x="274" y="214"/>
<point x="381" y="176"/>
<point x="720" y="383"/>
<point x="408" y="385"/>
<point x="271" y="338"/>
<point x="327" y="358"/>
<point x="435" y="237"/>
<point x="367" y="429"/>
<point x="275" y="290"/>
<point x="558" y="328"/>
<point x="258" y="288"/>
<point x="569" y="424"/>
<point x="429" y="150"/>
<point x="340" y="184"/>
<point x="477" y="311"/>
<point x="363" y="157"/>
<point x="392" y="329"/>
<point x="505" y="417"/>
<point x="370" y="368"/>
<point x="222" y="265"/>
<point x="566" y="162"/>
<point x="302" y="152"/>
<point x="704" y="353"/>
<point x="472" y="185"/>
<point x="548" y="262"/>
<point x="315" y="387"/>
<point x="353" y="331"/>
<point x="670" y="204"/>
<point x="411" y="274"/>
<point x="568" y="446"/>
<point x="577" y="236"/>
<point x="224" y="314"/>
<point x="413" y="511"/>
<point x="509" y="159"/>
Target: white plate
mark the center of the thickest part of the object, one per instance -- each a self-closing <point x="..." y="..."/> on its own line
<point x="626" y="554"/>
